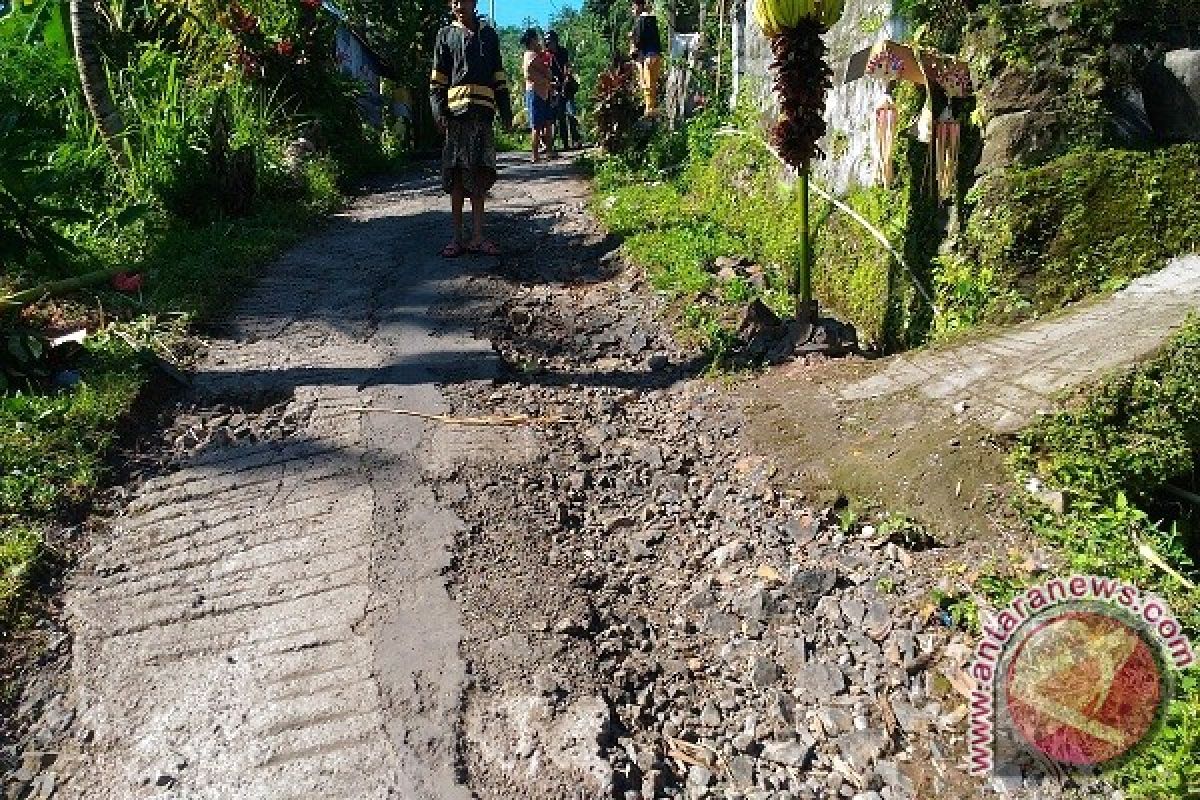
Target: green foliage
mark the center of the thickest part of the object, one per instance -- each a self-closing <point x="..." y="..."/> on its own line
<point x="402" y="31"/>
<point x="515" y="141"/>
<point x="23" y="359"/>
<point x="215" y="96"/>
<point x="1133" y="434"/>
<point x="1100" y="20"/>
<point x="1018" y="31"/>
<point x="30" y="122"/>
<point x="969" y="295"/>
<point x="51" y="445"/>
<point x="939" y="23"/>
<point x="21" y="551"/>
<point x="1083" y="223"/>
<point x="715" y="190"/>
<point x="1112" y="451"/>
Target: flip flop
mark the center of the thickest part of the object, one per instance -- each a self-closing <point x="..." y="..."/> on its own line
<point x="453" y="250"/>
<point x="484" y="248"/>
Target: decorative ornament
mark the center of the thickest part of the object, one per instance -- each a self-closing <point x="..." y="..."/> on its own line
<point x="802" y="77"/>
<point x="774" y="17"/>
<point x="887" y="118"/>
<point x="946" y="142"/>
<point x="886" y="65"/>
<point x="954" y="78"/>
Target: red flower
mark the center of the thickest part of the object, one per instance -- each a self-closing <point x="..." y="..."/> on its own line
<point x="127" y="281"/>
<point x="312" y="5"/>
<point x="243" y="22"/>
<point x="284" y="47"/>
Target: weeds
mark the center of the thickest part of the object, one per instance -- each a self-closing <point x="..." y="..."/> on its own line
<point x="1112" y="452"/>
<point x="21" y="551"/>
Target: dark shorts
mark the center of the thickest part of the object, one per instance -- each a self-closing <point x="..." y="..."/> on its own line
<point x="470" y="151"/>
<point x="538" y="110"/>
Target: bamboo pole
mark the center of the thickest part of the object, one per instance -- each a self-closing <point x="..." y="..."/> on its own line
<point x="804" y="268"/>
<point x="31" y="295"/>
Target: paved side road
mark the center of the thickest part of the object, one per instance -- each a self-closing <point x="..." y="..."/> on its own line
<point x="920" y="431"/>
<point x="1002" y="382"/>
<point x="272" y="620"/>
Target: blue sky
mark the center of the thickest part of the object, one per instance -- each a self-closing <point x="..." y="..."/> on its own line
<point x="514" y="12"/>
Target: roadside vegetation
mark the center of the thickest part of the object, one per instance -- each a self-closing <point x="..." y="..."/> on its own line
<point x="238" y="133"/>
<point x="1125" y="456"/>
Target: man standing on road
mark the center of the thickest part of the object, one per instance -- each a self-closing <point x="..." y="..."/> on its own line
<point x="560" y="65"/>
<point x="467" y="88"/>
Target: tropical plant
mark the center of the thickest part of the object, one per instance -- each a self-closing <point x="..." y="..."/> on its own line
<point x="86" y="33"/>
<point x="615" y="111"/>
<point x="27" y="216"/>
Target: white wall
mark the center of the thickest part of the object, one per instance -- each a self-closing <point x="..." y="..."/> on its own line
<point x="850" y="107"/>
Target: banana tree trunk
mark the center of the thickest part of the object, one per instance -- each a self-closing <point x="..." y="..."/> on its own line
<point x="85" y="26"/>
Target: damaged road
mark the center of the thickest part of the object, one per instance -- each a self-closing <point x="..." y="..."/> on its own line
<point x="455" y="529"/>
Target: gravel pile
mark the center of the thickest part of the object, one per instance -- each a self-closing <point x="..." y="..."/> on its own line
<point x="699" y="627"/>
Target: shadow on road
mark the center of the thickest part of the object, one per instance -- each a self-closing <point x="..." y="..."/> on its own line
<point x="374" y="273"/>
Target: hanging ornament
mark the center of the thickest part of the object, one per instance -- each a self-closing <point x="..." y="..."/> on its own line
<point x="925" y="118"/>
<point x="887" y="117"/>
<point x="948" y="135"/>
<point x="886" y="65"/>
<point x="954" y="78"/>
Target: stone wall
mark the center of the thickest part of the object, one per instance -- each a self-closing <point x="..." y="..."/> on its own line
<point x="850" y="107"/>
<point x="1062" y="86"/>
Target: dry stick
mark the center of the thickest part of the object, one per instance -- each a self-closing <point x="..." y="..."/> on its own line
<point x="519" y="419"/>
<point x="854" y="215"/>
<point x="1150" y="555"/>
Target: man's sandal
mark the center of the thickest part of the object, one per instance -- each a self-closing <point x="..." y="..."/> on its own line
<point x="484" y="248"/>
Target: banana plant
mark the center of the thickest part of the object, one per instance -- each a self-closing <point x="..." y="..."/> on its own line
<point x="802" y="78"/>
<point x="27" y="223"/>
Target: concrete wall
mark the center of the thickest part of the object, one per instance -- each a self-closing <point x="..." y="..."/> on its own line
<point x="850" y="107"/>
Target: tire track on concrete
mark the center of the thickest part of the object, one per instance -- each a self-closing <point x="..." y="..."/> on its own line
<point x="272" y="620"/>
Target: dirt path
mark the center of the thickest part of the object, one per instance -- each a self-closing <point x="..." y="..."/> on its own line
<point x="626" y="596"/>
<point x="922" y="432"/>
<point x="271" y="620"/>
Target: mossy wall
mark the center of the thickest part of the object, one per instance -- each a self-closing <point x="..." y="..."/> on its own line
<point x="1042" y="237"/>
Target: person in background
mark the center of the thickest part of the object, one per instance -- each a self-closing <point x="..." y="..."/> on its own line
<point x="552" y="104"/>
<point x="647" y="51"/>
<point x="571" y="111"/>
<point x="560" y="66"/>
<point x="537" y="93"/>
<point x="466" y="90"/>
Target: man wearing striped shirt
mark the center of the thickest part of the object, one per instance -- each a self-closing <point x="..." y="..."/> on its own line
<point x="467" y="90"/>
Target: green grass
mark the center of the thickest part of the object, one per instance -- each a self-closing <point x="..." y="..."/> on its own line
<point x="514" y="141"/>
<point x="51" y="445"/>
<point x="52" y="459"/>
<point x="684" y="199"/>
<point x="1113" y="451"/>
<point x="21" y="552"/>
